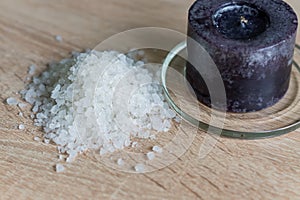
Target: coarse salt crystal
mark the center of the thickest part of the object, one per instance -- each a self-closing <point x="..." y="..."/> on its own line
<point x="31" y="70"/>
<point x="177" y="119"/>
<point x="46" y="141"/>
<point x="134" y="144"/>
<point x="152" y="137"/>
<point x="21" y="127"/>
<point x="11" y="101"/>
<point x="120" y="162"/>
<point x="157" y="149"/>
<point x="22" y="105"/>
<point x="72" y="155"/>
<point x="58" y="38"/>
<point x="150" y="155"/>
<point x="139" y="168"/>
<point x="59" y="168"/>
<point x="171" y="113"/>
<point x="75" y="53"/>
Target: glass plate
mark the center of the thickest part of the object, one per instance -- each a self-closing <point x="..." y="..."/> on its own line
<point x="279" y="119"/>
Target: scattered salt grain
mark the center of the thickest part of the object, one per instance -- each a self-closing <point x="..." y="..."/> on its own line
<point x="171" y="113"/>
<point x="11" y="101"/>
<point x="21" y="127"/>
<point x="36" y="138"/>
<point x="139" y="168"/>
<point x="177" y="119"/>
<point x="120" y="162"/>
<point x="22" y="105"/>
<point x="60" y="157"/>
<point x="87" y="50"/>
<point x="157" y="149"/>
<point x="152" y="137"/>
<point x="150" y="155"/>
<point x="31" y="70"/>
<point x="46" y="141"/>
<point x="58" y="38"/>
<point x="71" y="157"/>
<point x="59" y="168"/>
<point x="21" y="114"/>
<point x="35" y="108"/>
<point x="134" y="144"/>
<point x="75" y="53"/>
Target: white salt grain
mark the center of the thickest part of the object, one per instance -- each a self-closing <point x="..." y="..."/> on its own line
<point x="22" y="105"/>
<point x="157" y="149"/>
<point x="177" y="119"/>
<point x="59" y="168"/>
<point x="139" y="168"/>
<point x="31" y="70"/>
<point x="134" y="144"/>
<point x="75" y="53"/>
<point x="120" y="162"/>
<point x="150" y="155"/>
<point x="21" y="114"/>
<point x="36" y="138"/>
<point x="11" y="101"/>
<point x="35" y="108"/>
<point x="152" y="137"/>
<point x="21" y="127"/>
<point x="46" y="141"/>
<point x="72" y="155"/>
<point x="171" y="113"/>
<point x="58" y="38"/>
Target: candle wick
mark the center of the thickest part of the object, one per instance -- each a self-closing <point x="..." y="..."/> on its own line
<point x="244" y="21"/>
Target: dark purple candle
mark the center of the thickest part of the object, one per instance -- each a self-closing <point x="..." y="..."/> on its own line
<point x="251" y="42"/>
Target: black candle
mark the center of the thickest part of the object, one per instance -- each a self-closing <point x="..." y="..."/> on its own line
<point x="252" y="44"/>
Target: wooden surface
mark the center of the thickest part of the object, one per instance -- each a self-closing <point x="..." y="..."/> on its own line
<point x="234" y="169"/>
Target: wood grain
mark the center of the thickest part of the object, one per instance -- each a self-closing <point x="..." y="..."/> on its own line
<point x="234" y="169"/>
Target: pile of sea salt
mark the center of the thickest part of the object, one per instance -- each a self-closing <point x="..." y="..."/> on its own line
<point x="98" y="101"/>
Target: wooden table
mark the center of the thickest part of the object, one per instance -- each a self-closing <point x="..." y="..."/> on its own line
<point x="234" y="169"/>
